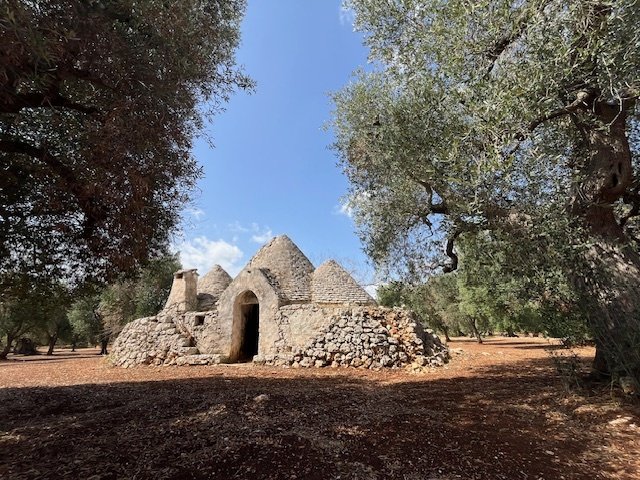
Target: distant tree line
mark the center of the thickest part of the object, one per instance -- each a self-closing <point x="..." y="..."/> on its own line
<point x="488" y="295"/>
<point x="49" y="313"/>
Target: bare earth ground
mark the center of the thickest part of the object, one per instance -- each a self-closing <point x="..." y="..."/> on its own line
<point x="497" y="411"/>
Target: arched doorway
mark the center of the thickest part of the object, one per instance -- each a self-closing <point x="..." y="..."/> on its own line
<point x="246" y="327"/>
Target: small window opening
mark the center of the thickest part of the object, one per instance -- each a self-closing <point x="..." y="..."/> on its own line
<point x="199" y="320"/>
<point x="178" y="276"/>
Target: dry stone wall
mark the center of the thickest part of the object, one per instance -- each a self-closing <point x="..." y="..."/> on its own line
<point x="366" y="337"/>
<point x="303" y="336"/>
<point x="296" y="325"/>
<point x="151" y="341"/>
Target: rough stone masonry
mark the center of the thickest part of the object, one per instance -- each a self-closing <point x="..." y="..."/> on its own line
<point x="279" y="310"/>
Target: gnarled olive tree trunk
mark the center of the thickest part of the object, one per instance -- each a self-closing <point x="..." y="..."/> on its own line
<point x="52" y="340"/>
<point x="611" y="277"/>
<point x="7" y="347"/>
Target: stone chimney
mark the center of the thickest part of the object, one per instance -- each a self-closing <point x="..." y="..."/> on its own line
<point x="184" y="292"/>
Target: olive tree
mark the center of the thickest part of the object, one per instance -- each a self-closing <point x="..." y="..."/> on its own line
<point x="98" y="315"/>
<point x="99" y="104"/>
<point x="518" y="117"/>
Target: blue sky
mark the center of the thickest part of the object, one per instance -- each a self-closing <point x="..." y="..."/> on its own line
<point x="271" y="171"/>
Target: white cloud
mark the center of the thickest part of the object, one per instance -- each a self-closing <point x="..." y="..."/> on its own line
<point x="344" y="208"/>
<point x="236" y="227"/>
<point x="203" y="253"/>
<point x="347" y="16"/>
<point x="349" y="203"/>
<point x="259" y="234"/>
<point x="263" y="237"/>
<point x="195" y="212"/>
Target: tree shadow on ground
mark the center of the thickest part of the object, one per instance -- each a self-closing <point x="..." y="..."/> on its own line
<point x="58" y="355"/>
<point x="35" y="359"/>
<point x="508" y="422"/>
<point x="524" y="346"/>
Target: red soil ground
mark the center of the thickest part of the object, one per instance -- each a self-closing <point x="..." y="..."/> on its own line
<point x="497" y="411"/>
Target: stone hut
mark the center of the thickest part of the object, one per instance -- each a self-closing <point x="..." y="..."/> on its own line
<point x="278" y="310"/>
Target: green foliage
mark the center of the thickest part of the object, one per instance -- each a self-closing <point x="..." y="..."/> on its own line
<point x="36" y="307"/>
<point x="393" y="294"/>
<point x="515" y="122"/>
<point x="463" y="125"/>
<point x="18" y="303"/>
<point x="435" y="302"/>
<point x="99" y="103"/>
<point x="440" y="297"/>
<point x="154" y="284"/>
<point x="50" y="311"/>
<point x="495" y="286"/>
<point x="141" y="295"/>
<point x="52" y="322"/>
<point x="85" y="321"/>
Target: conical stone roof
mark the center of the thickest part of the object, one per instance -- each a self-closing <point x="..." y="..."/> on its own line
<point x="332" y="284"/>
<point x="214" y="282"/>
<point x="286" y="267"/>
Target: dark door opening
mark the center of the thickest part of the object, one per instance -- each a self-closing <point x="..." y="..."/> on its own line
<point x="246" y="328"/>
<point x="250" y="320"/>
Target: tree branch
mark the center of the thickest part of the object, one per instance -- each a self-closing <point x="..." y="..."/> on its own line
<point x="581" y="101"/>
<point x="79" y="74"/>
<point x="449" y="250"/>
<point x="501" y="44"/>
<point x="92" y="213"/>
<point x="624" y="98"/>
<point x="439" y="208"/>
<point x="16" y="146"/>
<point x="42" y="100"/>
